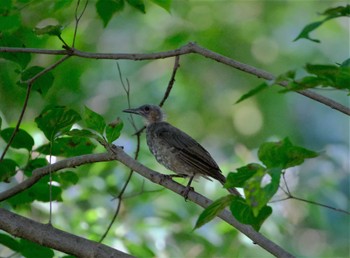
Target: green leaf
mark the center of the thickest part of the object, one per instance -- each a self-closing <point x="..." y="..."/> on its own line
<point x="0" y="122"/>
<point x="304" y="34"/>
<point x="106" y="8"/>
<point x="68" y="147"/>
<point x="330" y="13"/>
<point x="257" y="195"/>
<point x="34" y="164"/>
<point x="239" y="178"/>
<point x="52" y="30"/>
<point x="32" y="250"/>
<point x="137" y="4"/>
<point x="213" y="209"/>
<point x="9" y="40"/>
<point x="283" y="154"/>
<point x="165" y="4"/>
<point x="41" y="84"/>
<point x="55" y="120"/>
<point x="85" y="133"/>
<point x="40" y="191"/>
<point x="5" y="7"/>
<point x="287" y="76"/>
<point x="337" y="11"/>
<point x="67" y="178"/>
<point x="20" y="199"/>
<point x="346" y="63"/>
<point x="94" y="121"/>
<point x="252" y="92"/>
<point x="335" y="76"/>
<point x="9" y="242"/>
<point x="10" y="22"/>
<point x="343" y="78"/>
<point x="139" y="250"/>
<point x="308" y="82"/>
<point x="7" y="169"/>
<point x="243" y="213"/>
<point x="322" y="70"/>
<point x="113" y="130"/>
<point x="81" y="133"/>
<point x="60" y="4"/>
<point x="319" y="76"/>
<point x="22" y="139"/>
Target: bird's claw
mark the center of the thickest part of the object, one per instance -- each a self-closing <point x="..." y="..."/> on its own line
<point x="186" y="191"/>
<point x="164" y="178"/>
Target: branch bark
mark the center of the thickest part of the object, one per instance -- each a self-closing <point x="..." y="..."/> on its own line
<point x="46" y="235"/>
<point x="186" y="49"/>
<point x="120" y="155"/>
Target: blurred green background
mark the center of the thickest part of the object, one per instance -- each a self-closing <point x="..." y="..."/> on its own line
<point x="156" y="222"/>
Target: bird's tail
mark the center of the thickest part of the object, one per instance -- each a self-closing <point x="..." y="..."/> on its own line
<point x="232" y="190"/>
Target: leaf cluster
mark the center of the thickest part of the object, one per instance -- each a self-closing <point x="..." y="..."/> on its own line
<point x="56" y="124"/>
<point x="259" y="183"/>
<point x="330" y="13"/>
<point x="335" y="76"/>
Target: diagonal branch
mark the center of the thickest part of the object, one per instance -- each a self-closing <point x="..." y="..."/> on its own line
<point x="186" y="49"/>
<point x="155" y="177"/>
<point x="46" y="235"/>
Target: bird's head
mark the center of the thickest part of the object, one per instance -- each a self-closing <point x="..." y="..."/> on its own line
<point x="151" y="113"/>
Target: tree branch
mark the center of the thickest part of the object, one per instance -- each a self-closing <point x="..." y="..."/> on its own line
<point x="46" y="235"/>
<point x="186" y="49"/>
<point x="166" y="181"/>
<point x="29" y="88"/>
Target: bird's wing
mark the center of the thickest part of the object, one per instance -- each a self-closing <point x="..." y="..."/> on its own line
<point x="189" y="151"/>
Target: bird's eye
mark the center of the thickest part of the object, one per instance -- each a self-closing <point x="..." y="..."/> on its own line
<point x="146" y="108"/>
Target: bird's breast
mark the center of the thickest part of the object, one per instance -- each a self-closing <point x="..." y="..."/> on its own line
<point x="165" y="154"/>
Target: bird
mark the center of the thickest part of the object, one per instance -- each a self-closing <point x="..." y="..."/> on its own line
<point x="176" y="150"/>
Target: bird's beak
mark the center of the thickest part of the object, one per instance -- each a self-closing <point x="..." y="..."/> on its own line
<point x="132" y="111"/>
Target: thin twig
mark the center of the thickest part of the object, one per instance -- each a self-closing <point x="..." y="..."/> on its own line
<point x="320" y="204"/>
<point x="138" y="133"/>
<point x="289" y="196"/>
<point x="285" y="182"/>
<point x="50" y="186"/>
<point x="171" y="81"/>
<point x="77" y="19"/>
<point x="29" y="88"/>
<point x="120" y="197"/>
<point x="30" y="83"/>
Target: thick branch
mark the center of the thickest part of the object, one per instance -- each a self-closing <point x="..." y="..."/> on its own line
<point x="155" y="177"/>
<point x="186" y="49"/>
<point x="46" y="235"/>
<point x="41" y="172"/>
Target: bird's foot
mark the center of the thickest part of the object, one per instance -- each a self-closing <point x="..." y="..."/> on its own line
<point x="178" y="175"/>
<point x="111" y="148"/>
<point x="164" y="178"/>
<point x="186" y="191"/>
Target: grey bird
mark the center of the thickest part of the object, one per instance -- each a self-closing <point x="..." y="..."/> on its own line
<point x="176" y="150"/>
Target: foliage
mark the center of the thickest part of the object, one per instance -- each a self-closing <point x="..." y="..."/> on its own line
<point x="260" y="183"/>
<point x="332" y="76"/>
<point x="330" y="13"/>
<point x="69" y="107"/>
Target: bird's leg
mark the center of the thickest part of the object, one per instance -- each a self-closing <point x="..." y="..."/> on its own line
<point x="188" y="189"/>
<point x="178" y="175"/>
